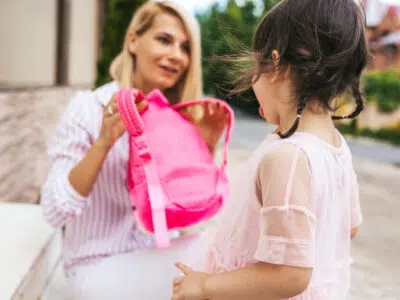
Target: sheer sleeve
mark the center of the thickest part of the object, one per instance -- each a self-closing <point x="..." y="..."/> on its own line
<point x="356" y="215"/>
<point x="287" y="216"/>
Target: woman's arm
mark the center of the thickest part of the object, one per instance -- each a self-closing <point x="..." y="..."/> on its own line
<point x="83" y="176"/>
<point x="75" y="161"/>
<point x="71" y="144"/>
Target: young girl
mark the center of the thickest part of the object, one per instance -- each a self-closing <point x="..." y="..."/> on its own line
<point x="286" y="232"/>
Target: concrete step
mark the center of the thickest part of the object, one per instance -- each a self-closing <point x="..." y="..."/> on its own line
<point x="30" y="253"/>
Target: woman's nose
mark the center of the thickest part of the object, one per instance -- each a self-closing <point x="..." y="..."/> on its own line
<point x="177" y="53"/>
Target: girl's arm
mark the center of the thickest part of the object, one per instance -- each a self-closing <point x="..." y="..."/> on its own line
<point x="258" y="281"/>
<point x="356" y="214"/>
<point x="285" y="253"/>
<point x="354" y="232"/>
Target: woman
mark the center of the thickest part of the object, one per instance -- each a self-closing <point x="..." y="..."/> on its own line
<point x="86" y="186"/>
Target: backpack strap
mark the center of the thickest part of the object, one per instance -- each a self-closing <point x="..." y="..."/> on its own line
<point x="228" y="130"/>
<point x="129" y="113"/>
<point x="134" y="125"/>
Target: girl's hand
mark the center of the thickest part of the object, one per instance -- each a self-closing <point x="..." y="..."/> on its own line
<point x="190" y="286"/>
<point x="211" y="125"/>
<point x="112" y="127"/>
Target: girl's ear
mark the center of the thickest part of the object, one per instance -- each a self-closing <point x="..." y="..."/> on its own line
<point x="276" y="61"/>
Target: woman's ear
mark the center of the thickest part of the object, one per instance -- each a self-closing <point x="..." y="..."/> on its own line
<point x="132" y="42"/>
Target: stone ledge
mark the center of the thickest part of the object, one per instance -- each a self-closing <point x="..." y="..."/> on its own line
<point x="27" y="119"/>
<point x="31" y="254"/>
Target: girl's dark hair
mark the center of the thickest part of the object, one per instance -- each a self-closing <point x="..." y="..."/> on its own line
<point x="323" y="42"/>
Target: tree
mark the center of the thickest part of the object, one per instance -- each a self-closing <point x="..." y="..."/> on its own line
<point x="118" y="14"/>
<point x="225" y="32"/>
<point x="268" y="4"/>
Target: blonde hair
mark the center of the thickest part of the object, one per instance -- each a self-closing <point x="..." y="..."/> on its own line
<point x="122" y="67"/>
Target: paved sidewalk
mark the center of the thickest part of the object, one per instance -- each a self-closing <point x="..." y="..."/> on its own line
<point x="376" y="271"/>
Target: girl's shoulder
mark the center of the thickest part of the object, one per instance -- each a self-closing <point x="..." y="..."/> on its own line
<point x="318" y="152"/>
<point x="309" y="143"/>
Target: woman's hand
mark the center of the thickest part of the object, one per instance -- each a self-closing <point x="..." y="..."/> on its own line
<point x="190" y="286"/>
<point x="211" y="125"/>
<point x="112" y="127"/>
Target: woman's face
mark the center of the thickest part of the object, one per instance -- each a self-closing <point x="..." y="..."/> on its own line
<point x="162" y="53"/>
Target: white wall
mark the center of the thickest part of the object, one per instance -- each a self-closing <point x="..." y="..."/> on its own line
<point x="29" y="38"/>
<point x="82" y="42"/>
<point x="28" y="42"/>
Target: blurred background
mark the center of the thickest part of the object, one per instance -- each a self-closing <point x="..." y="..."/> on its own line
<point x="52" y="48"/>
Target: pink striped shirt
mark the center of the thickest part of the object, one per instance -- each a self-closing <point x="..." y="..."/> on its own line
<point x="101" y="224"/>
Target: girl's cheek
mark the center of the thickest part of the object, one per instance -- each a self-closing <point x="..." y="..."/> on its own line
<point x="261" y="112"/>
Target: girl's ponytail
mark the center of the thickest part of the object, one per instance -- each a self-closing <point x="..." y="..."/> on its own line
<point x="355" y="87"/>
<point x="300" y="108"/>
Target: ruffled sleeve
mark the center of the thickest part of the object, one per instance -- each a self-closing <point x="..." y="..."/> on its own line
<point x="287" y="216"/>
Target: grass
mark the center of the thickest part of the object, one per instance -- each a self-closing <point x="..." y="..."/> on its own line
<point x="391" y="135"/>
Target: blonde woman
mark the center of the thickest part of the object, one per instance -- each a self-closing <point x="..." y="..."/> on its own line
<point x="86" y="192"/>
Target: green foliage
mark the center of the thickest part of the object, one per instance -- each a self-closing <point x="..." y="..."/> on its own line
<point x="221" y="31"/>
<point x="227" y="32"/>
<point x="383" y="87"/>
<point x="391" y="135"/>
<point x="224" y="30"/>
<point x="268" y="4"/>
<point x="118" y="15"/>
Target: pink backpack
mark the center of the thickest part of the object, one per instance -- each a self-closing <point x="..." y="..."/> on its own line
<point x="173" y="179"/>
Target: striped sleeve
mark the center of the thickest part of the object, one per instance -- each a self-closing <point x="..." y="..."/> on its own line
<point x="70" y="142"/>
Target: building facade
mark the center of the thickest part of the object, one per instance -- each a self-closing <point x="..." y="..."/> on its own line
<point x="49" y="49"/>
<point x="49" y="42"/>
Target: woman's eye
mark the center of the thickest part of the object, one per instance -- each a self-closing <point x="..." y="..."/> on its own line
<point x="186" y="48"/>
<point x="163" y="40"/>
